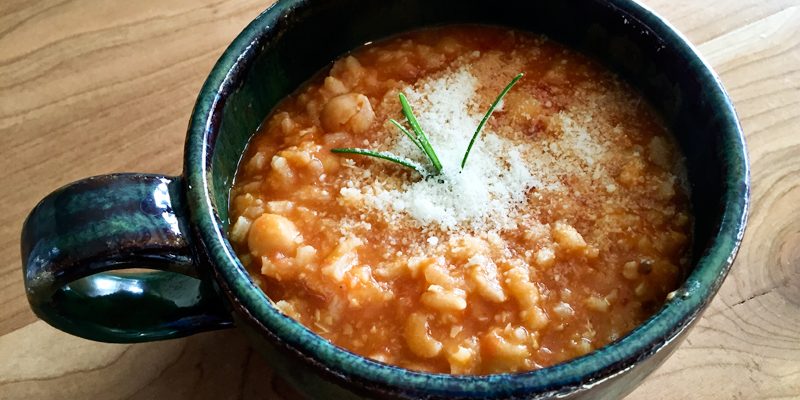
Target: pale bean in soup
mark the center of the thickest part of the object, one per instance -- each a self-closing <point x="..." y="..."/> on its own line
<point x="568" y="226"/>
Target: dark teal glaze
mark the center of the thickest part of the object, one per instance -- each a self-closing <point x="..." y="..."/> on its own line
<point x="113" y="222"/>
<point x="295" y="38"/>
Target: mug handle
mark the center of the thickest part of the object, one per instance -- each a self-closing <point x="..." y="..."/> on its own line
<point x="112" y="222"/>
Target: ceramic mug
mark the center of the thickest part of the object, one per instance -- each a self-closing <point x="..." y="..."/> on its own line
<point x="77" y="235"/>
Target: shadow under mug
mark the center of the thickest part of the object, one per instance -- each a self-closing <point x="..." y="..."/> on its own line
<point x="78" y="235"/>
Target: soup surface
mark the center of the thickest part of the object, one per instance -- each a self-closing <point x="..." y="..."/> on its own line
<point x="568" y="226"/>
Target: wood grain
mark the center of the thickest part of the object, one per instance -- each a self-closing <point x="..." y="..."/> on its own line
<point x="93" y="87"/>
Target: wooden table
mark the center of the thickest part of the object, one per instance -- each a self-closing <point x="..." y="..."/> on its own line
<point x="92" y="87"/>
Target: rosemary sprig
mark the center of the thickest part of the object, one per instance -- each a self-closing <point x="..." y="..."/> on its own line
<point x="419" y="138"/>
<point x="383" y="155"/>
<point x="489" y="114"/>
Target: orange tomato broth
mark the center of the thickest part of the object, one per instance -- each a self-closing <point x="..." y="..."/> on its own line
<point x="581" y="232"/>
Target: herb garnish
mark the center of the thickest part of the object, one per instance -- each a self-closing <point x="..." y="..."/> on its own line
<point x="383" y="155"/>
<point x="419" y="138"/>
<point x="489" y="114"/>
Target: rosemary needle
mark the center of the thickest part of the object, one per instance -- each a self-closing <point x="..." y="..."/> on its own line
<point x="383" y="155"/>
<point x="419" y="138"/>
<point x="489" y="114"/>
<point x="408" y="134"/>
<point x="423" y="140"/>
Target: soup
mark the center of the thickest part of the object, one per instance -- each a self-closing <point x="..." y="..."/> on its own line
<point x="567" y="226"/>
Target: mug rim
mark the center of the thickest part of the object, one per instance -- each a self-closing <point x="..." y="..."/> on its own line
<point x="581" y="373"/>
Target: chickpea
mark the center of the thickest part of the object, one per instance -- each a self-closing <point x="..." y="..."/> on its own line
<point x="348" y="70"/>
<point x="630" y="270"/>
<point x="334" y="86"/>
<point x="272" y="233"/>
<point x="350" y="112"/>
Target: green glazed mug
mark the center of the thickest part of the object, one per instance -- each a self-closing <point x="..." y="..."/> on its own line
<point x="75" y="238"/>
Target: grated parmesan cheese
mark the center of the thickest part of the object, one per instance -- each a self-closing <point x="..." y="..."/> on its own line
<point x="494" y="182"/>
<point x="489" y="193"/>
